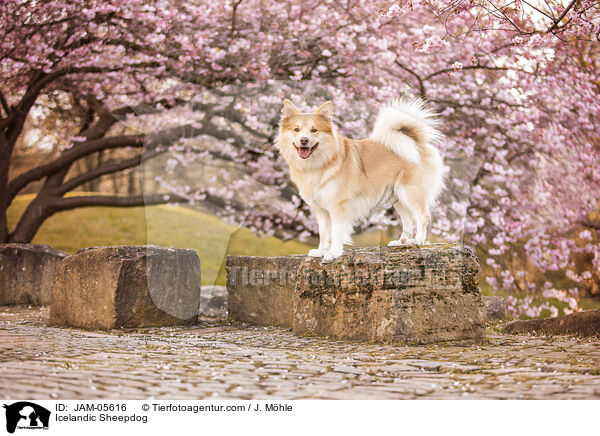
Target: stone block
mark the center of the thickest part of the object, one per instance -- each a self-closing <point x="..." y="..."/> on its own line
<point x="261" y="289"/>
<point x="127" y="286"/>
<point x="413" y="295"/>
<point x="213" y="301"/>
<point x="27" y="273"/>
<point x="386" y="294"/>
<point x="584" y="323"/>
<point x="496" y="308"/>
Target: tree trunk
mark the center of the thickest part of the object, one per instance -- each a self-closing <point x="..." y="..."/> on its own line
<point x="95" y="161"/>
<point x="12" y="127"/>
<point x="39" y="209"/>
<point x="8" y="138"/>
<point x="5" y="152"/>
<point x="131" y="183"/>
<point x="31" y="221"/>
<point x="95" y="186"/>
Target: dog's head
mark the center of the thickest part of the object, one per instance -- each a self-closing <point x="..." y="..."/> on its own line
<point x="307" y="140"/>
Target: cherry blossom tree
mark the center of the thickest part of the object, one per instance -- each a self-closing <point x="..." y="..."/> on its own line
<point x="516" y="86"/>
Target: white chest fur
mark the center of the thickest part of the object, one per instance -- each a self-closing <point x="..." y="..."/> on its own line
<point x="318" y="188"/>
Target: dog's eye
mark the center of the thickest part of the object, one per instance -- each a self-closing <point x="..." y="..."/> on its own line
<point x="296" y="129"/>
<point x="313" y="130"/>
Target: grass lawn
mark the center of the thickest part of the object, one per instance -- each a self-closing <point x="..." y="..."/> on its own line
<point x="170" y="226"/>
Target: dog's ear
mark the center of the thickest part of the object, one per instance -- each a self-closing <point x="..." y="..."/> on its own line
<point x="289" y="109"/>
<point x="326" y="110"/>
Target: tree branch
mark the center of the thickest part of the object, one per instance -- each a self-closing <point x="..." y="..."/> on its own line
<point x="67" y="203"/>
<point x="109" y="168"/>
<point x="561" y="16"/>
<point x="419" y="79"/>
<point x="59" y="204"/>
<point x="151" y="141"/>
<point x="235" y="5"/>
<point x="236" y="117"/>
<point x="468" y="67"/>
<point x="4" y="104"/>
<point x="41" y="81"/>
<point x="590" y="224"/>
<point x="69" y="157"/>
<point x="538" y="10"/>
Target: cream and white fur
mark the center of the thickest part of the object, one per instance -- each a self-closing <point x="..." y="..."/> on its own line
<point x="344" y="180"/>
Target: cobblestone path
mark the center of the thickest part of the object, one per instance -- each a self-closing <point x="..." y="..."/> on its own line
<point x="215" y="360"/>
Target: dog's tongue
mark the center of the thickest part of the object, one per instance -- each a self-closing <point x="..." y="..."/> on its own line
<point x="304" y="152"/>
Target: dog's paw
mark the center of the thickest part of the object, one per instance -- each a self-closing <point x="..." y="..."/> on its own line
<point x="401" y="242"/>
<point x="315" y="252"/>
<point x="332" y="255"/>
<point x="397" y="243"/>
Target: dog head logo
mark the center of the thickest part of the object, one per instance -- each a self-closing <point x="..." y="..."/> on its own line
<point x="26" y="415"/>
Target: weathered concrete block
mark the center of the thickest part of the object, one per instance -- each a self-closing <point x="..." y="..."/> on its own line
<point x="584" y="323"/>
<point x="496" y="308"/>
<point x="409" y="295"/>
<point x="213" y="301"/>
<point x="261" y="289"/>
<point x="27" y="273"/>
<point x="401" y="294"/>
<point x="127" y="286"/>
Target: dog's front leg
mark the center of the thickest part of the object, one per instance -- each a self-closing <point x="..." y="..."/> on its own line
<point x="324" y="222"/>
<point x="341" y="228"/>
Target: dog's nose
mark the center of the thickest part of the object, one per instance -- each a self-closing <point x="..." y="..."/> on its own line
<point x="304" y="141"/>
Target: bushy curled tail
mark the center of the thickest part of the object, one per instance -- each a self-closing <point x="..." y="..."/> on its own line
<point x="405" y="126"/>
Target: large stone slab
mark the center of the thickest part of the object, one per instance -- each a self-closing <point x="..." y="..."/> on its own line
<point x="408" y="295"/>
<point x="27" y="273"/>
<point x="496" y="308"/>
<point x="584" y="323"/>
<point x="213" y="301"/>
<point x="127" y="286"/>
<point x="386" y="294"/>
<point x="261" y="289"/>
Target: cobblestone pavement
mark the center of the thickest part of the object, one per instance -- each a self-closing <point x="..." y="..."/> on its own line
<point x="215" y="360"/>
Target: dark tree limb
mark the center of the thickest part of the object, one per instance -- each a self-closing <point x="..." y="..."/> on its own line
<point x="413" y="73"/>
<point x="59" y="204"/>
<point x="4" y="104"/>
<point x="468" y="67"/>
<point x="150" y="141"/>
<point x="40" y="81"/>
<point x="231" y="115"/>
<point x="594" y="225"/>
<point x="561" y="16"/>
<point x="109" y="168"/>
<point x="67" y="203"/>
<point x="70" y="156"/>
<point x="235" y="5"/>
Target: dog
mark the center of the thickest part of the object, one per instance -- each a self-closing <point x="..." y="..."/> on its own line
<point x="344" y="180"/>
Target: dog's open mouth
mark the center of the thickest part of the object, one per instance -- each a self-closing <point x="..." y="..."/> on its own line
<point x="305" y="152"/>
